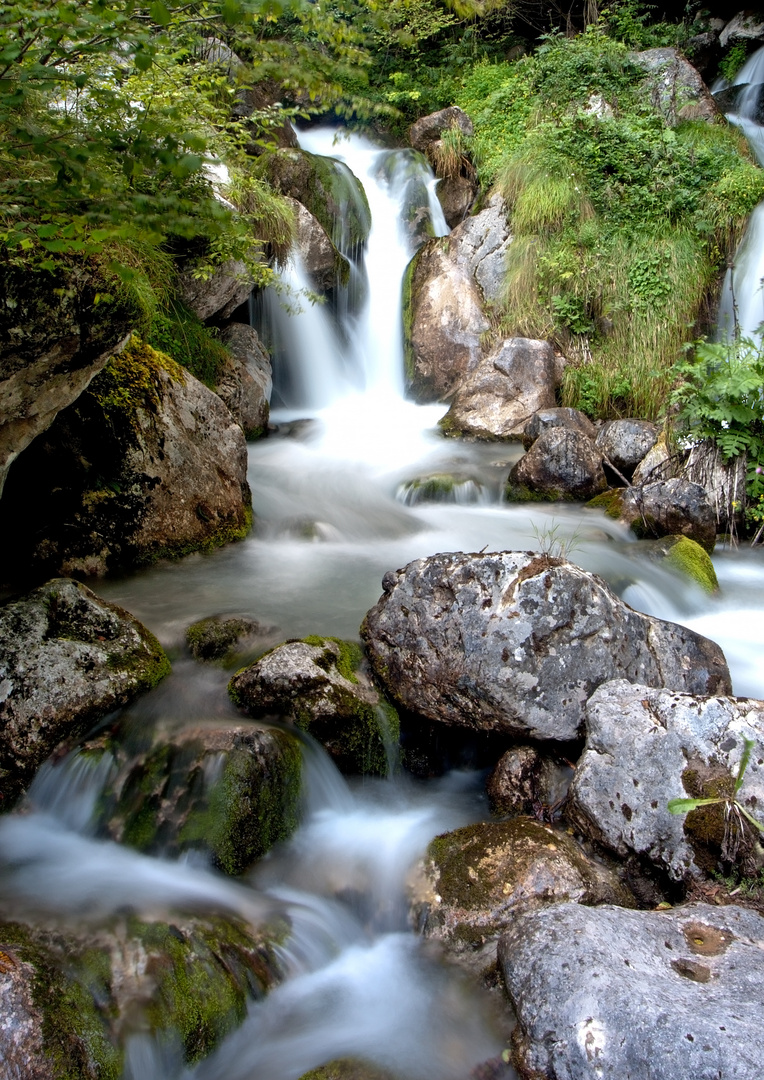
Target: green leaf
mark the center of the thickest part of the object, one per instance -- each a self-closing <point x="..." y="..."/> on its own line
<point x="143" y="60"/>
<point x="684" y="806"/>
<point x="748" y="747"/>
<point x="159" y="13"/>
<point x="752" y="820"/>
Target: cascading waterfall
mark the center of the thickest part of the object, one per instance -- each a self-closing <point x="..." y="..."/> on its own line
<point x="333" y="515"/>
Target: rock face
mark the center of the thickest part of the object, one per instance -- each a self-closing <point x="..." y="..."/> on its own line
<point x="617" y="994"/>
<point x="227" y="288"/>
<point x="481" y="243"/>
<point x="675" y="88"/>
<point x="231" y="792"/>
<point x="322" y="262"/>
<point x="54" y="338"/>
<point x="667" y="508"/>
<point x="428" y="129"/>
<point x="626" y="442"/>
<point x="544" y="419"/>
<point x="562" y="464"/>
<point x="646" y="746"/>
<point x="525" y="782"/>
<point x="515" y="642"/>
<point x="148" y="462"/>
<point x="479" y="878"/>
<point x="318" y="685"/>
<point x="456" y="195"/>
<point x="496" y="400"/>
<point x="443" y="320"/>
<point x="247" y="382"/>
<point x="66" y="659"/>
<point x="745" y="25"/>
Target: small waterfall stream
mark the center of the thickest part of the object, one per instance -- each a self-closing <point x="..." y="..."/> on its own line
<point x="333" y="515"/>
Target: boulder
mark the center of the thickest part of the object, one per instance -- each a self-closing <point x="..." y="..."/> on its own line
<point x="428" y="129"/>
<point x="443" y="321"/>
<point x="525" y="781"/>
<point x="224" y="637"/>
<point x="228" y="791"/>
<point x="70" y="999"/>
<point x="318" y="684"/>
<point x="247" y="381"/>
<point x="747" y="25"/>
<point x="657" y="464"/>
<point x="563" y="464"/>
<point x="66" y="659"/>
<point x="516" y="643"/>
<point x="497" y="398"/>
<point x="683" y="555"/>
<point x="723" y="482"/>
<point x="673" y="507"/>
<point x="646" y="746"/>
<point x="481" y="243"/>
<point x="441" y="488"/>
<point x="611" y="993"/>
<point x="545" y="419"/>
<point x="220" y="294"/>
<point x="626" y="442"/>
<point x="319" y="257"/>
<point x="147" y="463"/>
<point x="474" y="881"/>
<point x="54" y="338"/>
<point x="675" y="88"/>
<point x="456" y="195"/>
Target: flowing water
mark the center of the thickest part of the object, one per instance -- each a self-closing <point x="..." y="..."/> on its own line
<point x="336" y="507"/>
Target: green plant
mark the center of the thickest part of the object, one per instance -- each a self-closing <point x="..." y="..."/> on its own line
<point x="733" y="60"/>
<point x="551" y="541"/>
<point x="734" y="811"/>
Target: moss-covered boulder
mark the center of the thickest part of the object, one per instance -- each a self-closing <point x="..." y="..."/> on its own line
<point x="231" y="792"/>
<point x="673" y="507"/>
<point x="348" y="1069"/>
<point x="66" y="659"/>
<point x="70" y="999"/>
<point x="683" y="555"/>
<point x="147" y="463"/>
<point x="475" y="880"/>
<point x="440" y="488"/>
<point x="221" y="638"/>
<point x="322" y="686"/>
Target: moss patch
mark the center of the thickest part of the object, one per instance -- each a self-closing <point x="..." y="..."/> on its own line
<point x="132" y="380"/>
<point x="694" y="562"/>
<point x="609" y="501"/>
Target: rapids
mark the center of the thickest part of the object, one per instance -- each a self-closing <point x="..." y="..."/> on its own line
<point x="333" y="514"/>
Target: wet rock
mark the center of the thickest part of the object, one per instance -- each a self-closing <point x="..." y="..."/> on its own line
<point x="675" y="88"/>
<point x="561" y="465"/>
<point x="745" y="26"/>
<point x="685" y="556"/>
<point x="525" y="781"/>
<point x="319" y="685"/>
<point x="626" y="442"/>
<point x="607" y="992"/>
<point x="54" y="338"/>
<point x="481" y="243"/>
<point x="477" y="879"/>
<point x="66" y="659"/>
<point x="220" y="294"/>
<point x="320" y="258"/>
<point x="440" y="488"/>
<point x="404" y="171"/>
<point x="456" y="195"/>
<point x="70" y="1000"/>
<point x="246" y="384"/>
<point x="545" y="419"/>
<point x="147" y="463"/>
<point x="348" y="1069"/>
<point x="496" y="400"/>
<point x="673" y="507"/>
<point x="646" y="746"/>
<point x="230" y="792"/>
<point x="443" y="320"/>
<point x="221" y="637"/>
<point x="515" y="642"/>
<point x="428" y="129"/>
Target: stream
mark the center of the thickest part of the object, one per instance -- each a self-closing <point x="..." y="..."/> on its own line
<point x="334" y="511"/>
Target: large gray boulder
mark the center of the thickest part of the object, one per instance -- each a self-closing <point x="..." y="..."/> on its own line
<point x="611" y="994"/>
<point x="675" y="88"/>
<point x="516" y="642"/>
<point x="481" y="243"/>
<point x="246" y="383"/>
<point x="220" y="294"/>
<point x="147" y="463"/>
<point x="428" y="129"/>
<point x="645" y="746"/>
<point x="497" y="399"/>
<point x="319" y="685"/>
<point x="746" y="25"/>
<point x="66" y="659"/>
<point x="625" y="443"/>
<point x="673" y="507"/>
<point x="563" y="464"/>
<point x="544" y="419"/>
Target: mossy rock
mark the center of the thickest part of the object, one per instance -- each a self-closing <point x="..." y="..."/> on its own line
<point x="219" y="638"/>
<point x="321" y="685"/>
<point x="348" y="1069"/>
<point x="440" y="488"/>
<point x="685" y="556"/>
<point x="232" y="792"/>
<point x="611" y="502"/>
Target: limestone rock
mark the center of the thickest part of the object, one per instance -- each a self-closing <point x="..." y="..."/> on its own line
<point x="562" y="464"/>
<point x="229" y="791"/>
<point x="318" y="685"/>
<point x="481" y="243"/>
<point x="746" y="25"/>
<point x="66" y="659"/>
<point x="443" y="321"/>
<point x="479" y="878"/>
<point x="54" y="338"/>
<point x="646" y="746"/>
<point x="456" y="195"/>
<point x="515" y="642"/>
<point x="525" y="781"/>
<point x="672" y="507"/>
<point x="657" y="464"/>
<point x="675" y="88"/>
<point x="507" y="387"/>
<point x="610" y="993"/>
<point x="247" y="383"/>
<point x="544" y="419"/>
<point x="319" y="257"/>
<point x="626" y="442"/>
<point x="428" y="129"/>
<point x="220" y="295"/>
<point x="147" y="463"/>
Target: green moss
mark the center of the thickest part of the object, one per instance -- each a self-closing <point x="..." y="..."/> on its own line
<point x="347" y="1069"/>
<point x="132" y="380"/>
<point x="228" y="533"/>
<point x="694" y="561"/>
<point x="609" y="501"/>
<point x="350" y="655"/>
<point x="519" y="493"/>
<point x="409" y="360"/>
<point x="179" y="334"/>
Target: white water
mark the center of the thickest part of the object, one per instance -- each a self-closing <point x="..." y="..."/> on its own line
<point x="328" y="527"/>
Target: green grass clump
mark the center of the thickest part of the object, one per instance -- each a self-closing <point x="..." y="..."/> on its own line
<point x="179" y="334"/>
